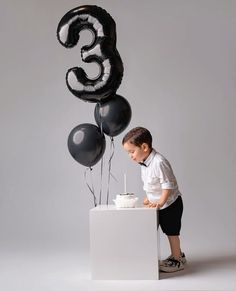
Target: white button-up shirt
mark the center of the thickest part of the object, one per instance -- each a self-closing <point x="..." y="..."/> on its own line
<point x="158" y="175"/>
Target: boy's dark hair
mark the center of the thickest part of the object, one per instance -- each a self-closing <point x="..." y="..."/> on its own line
<point x="137" y="136"/>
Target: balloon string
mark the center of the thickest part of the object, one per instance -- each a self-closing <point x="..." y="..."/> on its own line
<point x="112" y="150"/>
<point x="91" y="188"/>
<point x="100" y="194"/>
<point x="101" y="128"/>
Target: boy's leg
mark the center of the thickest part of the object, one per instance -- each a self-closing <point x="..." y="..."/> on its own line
<point x="175" y="246"/>
<point x="174" y="262"/>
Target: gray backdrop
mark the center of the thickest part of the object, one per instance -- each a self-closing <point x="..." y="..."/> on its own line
<point x="180" y="75"/>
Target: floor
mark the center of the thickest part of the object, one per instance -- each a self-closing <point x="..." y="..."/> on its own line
<point x="60" y="270"/>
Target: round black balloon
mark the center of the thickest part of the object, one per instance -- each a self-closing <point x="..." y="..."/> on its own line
<point x="86" y="144"/>
<point x="113" y="115"/>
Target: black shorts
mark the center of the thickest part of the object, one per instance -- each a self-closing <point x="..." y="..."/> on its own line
<point x="170" y="217"/>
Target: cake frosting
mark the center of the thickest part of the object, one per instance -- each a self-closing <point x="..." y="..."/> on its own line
<point x="126" y="200"/>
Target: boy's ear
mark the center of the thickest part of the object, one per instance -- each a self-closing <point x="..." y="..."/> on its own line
<point x="145" y="147"/>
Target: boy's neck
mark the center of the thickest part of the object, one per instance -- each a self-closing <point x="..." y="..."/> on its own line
<point x="149" y="152"/>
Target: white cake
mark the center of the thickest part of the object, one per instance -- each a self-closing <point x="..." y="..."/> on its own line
<point x="126" y="200"/>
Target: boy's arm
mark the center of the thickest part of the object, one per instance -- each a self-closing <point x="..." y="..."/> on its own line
<point x="164" y="196"/>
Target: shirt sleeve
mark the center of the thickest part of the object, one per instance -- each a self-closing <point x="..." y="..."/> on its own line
<point x="167" y="178"/>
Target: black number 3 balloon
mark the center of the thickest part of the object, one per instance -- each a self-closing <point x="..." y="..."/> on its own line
<point x="102" y="50"/>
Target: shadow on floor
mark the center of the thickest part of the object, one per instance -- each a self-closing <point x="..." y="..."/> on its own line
<point x="205" y="264"/>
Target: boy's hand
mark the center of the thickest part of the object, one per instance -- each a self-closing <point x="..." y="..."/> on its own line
<point x="146" y="201"/>
<point x="154" y="205"/>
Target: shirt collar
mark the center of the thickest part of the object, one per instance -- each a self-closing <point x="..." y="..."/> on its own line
<point x="148" y="160"/>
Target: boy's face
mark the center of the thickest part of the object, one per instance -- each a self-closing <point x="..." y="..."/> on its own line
<point x="137" y="153"/>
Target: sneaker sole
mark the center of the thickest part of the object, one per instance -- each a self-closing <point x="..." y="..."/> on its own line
<point x="170" y="271"/>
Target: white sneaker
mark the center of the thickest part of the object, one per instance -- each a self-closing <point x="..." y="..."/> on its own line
<point x="164" y="262"/>
<point x="172" y="265"/>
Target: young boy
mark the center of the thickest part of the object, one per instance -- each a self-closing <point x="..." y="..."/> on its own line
<point x="161" y="189"/>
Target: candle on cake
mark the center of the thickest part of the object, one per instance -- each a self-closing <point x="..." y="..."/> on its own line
<point x="125" y="184"/>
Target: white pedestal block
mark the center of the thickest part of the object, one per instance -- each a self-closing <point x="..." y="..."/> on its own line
<point x="123" y="243"/>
